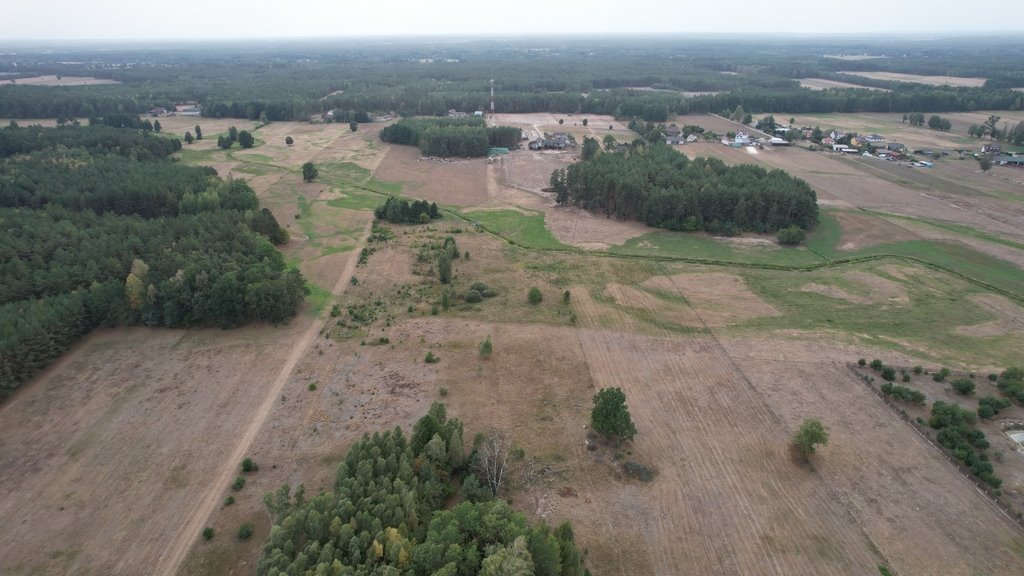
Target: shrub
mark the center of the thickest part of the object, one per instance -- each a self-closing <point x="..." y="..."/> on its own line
<point x="906" y="377"/>
<point x="489" y="293"/>
<point x="473" y="297"/>
<point x="249" y="466"/>
<point x="566" y="296"/>
<point x="889" y="373"/>
<point x="963" y="385"/>
<point x="336" y="310"/>
<point x="383" y="340"/>
<point x="238" y="484"/>
<point x="637" y="470"/>
<point x="993" y="377"/>
<point x="312" y="386"/>
<point x="534" y="296"/>
<point x="862" y="362"/>
<point x="443" y="391"/>
<point x="229" y="500"/>
<point x="486" y="348"/>
<point x="790" y="236"/>
<point x="245" y="531"/>
<point x="940" y="375"/>
<point x="207" y="533"/>
<point x="903" y="393"/>
<point x="876" y="364"/>
<point x="479" y="287"/>
<point x="431" y="359"/>
<point x="989" y="406"/>
<point x="918" y="369"/>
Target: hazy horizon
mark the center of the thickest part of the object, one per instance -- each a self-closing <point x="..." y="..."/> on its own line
<point x="231" y="20"/>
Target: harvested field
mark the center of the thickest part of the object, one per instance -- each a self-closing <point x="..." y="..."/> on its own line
<point x="720" y="298"/>
<point x="861" y="230"/>
<point x="53" y="80"/>
<point x="630" y="297"/>
<point x="459" y="182"/>
<point x="1009" y="317"/>
<point x="955" y="81"/>
<point x="823" y="84"/>
<point x="129" y="415"/>
<point x="869" y="289"/>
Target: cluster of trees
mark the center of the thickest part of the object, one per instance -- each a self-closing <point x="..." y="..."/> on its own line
<point x="903" y="393"/>
<point x="387" y="513"/>
<point x="1011" y="383"/>
<point x="399" y="211"/>
<point x="990" y="128"/>
<point x="101" y="230"/>
<point x="665" y="189"/>
<point x="957" y="432"/>
<point x="444" y="137"/>
<point x="935" y="122"/>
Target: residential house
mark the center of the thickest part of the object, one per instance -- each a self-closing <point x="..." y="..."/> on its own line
<point x="991" y="149"/>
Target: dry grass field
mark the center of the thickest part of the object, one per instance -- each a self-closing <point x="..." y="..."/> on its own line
<point x="823" y="84"/>
<point x="458" y="182"/>
<point x="53" y="80"/>
<point x="954" y="81"/>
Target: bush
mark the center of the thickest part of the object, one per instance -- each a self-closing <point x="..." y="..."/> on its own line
<point x="940" y="375"/>
<point x="963" y="385"/>
<point x="486" y="348"/>
<point x="534" y="296"/>
<point x="790" y="236"/>
<point x="312" y="386"/>
<point x="336" y="310"/>
<point x="906" y="377"/>
<point x="918" y="369"/>
<point x="638" y="471"/>
<point x="489" y="293"/>
<point x="903" y="393"/>
<point x="862" y="362"/>
<point x="566" y="297"/>
<point x="431" y="359"/>
<point x="249" y="466"/>
<point x="479" y="287"/>
<point x="238" y="484"/>
<point x="473" y="297"/>
<point x="207" y="533"/>
<point x="245" y="531"/>
<point x="229" y="500"/>
<point x="889" y="373"/>
<point x="989" y="406"/>
<point x="876" y="364"/>
<point x="993" y="377"/>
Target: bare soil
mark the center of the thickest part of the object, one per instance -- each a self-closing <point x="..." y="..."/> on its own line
<point x="53" y="80"/>
<point x="955" y="81"/>
<point x="452" y="181"/>
<point x="860" y="231"/>
<point x="722" y="298"/>
<point x="823" y="84"/>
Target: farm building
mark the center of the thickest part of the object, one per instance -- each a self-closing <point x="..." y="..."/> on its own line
<point x="673" y="131"/>
<point x="779" y="142"/>
<point x="674" y="140"/>
<point x="895" y="147"/>
<point x="991" y="149"/>
<point x="1009" y="160"/>
<point x="874" y="138"/>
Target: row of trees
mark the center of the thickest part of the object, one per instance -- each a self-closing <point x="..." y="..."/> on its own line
<point x="387" y="513"/>
<point x="94" y="236"/>
<point x="401" y="211"/>
<point x="665" y="189"/>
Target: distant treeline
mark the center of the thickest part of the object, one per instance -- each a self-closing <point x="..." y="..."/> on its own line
<point x="444" y="137"/>
<point x="665" y="189"/>
<point x="98" y="227"/>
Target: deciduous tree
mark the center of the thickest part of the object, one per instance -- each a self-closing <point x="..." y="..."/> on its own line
<point x="610" y="416"/>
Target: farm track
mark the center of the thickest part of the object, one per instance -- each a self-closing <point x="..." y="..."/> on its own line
<point x="771" y="516"/>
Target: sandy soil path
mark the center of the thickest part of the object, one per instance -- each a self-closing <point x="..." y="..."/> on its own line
<point x="170" y="562"/>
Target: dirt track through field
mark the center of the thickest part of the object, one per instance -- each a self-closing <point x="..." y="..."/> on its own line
<point x="176" y="551"/>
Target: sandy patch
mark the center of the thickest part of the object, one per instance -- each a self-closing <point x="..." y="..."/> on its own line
<point x="955" y="81"/>
<point x="823" y="84"/>
<point x="720" y="299"/>
<point x="53" y="80"/>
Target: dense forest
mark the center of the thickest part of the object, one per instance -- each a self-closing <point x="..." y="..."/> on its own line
<point x="663" y="188"/>
<point x="389" y="514"/>
<point x="98" y="226"/>
<point x="444" y="137"/>
<point x="566" y="75"/>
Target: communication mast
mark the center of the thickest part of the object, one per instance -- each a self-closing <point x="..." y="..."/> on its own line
<point x="492" y="96"/>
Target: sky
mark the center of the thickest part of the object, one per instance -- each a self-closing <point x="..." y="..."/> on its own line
<point x="238" y="19"/>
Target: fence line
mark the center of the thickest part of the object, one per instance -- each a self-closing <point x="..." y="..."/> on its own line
<point x="1010" y="515"/>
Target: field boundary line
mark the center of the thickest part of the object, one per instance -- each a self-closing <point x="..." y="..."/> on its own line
<point x="170" y="562"/>
<point x="964" y="472"/>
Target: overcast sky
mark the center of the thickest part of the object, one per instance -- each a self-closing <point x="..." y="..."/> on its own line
<point x="230" y="19"/>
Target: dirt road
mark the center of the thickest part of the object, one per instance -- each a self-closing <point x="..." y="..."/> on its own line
<point x="177" y="550"/>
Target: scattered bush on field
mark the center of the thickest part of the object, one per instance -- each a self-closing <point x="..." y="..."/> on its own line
<point x="963" y="386"/>
<point x="473" y="297"/>
<point x="637" y="470"/>
<point x="989" y="406"/>
<point x="918" y="369"/>
<point x="956" y="432"/>
<point x="431" y="359"/>
<point x="479" y="287"/>
<point x="229" y="500"/>
<point x="238" y="484"/>
<point x="903" y="393"/>
<point x="566" y="297"/>
<point x="940" y="375"/>
<point x="1011" y="383"/>
<point x="249" y="466"/>
<point x="245" y="531"/>
<point x="862" y="362"/>
<point x="534" y="296"/>
<point x="807" y="438"/>
<point x="889" y="373"/>
<point x="906" y="377"/>
<point x="790" y="236"/>
<point x="489" y="293"/>
<point x="876" y="365"/>
<point x="207" y="533"/>
<point x="486" y="348"/>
